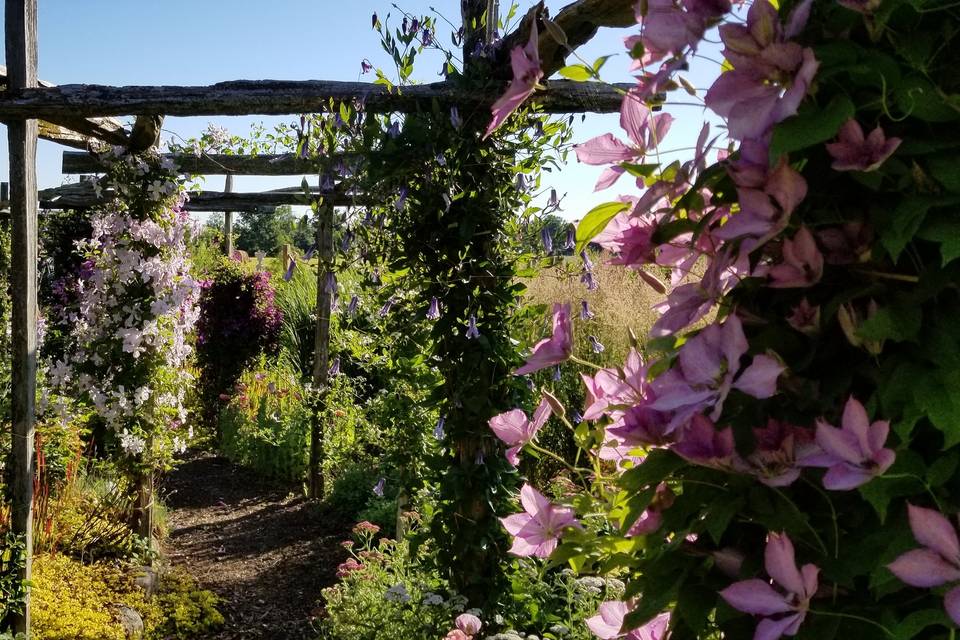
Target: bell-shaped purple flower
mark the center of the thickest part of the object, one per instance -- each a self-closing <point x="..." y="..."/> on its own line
<point x="546" y="238"/>
<point x="354" y="303"/>
<point x="472" y="331"/>
<point x="335" y="367"/>
<point x="438" y="432"/>
<point x="571" y="240"/>
<point x="455" y="118"/>
<point x="585" y="312"/>
<point x="385" y="309"/>
<point x="596" y="345"/>
<point x="378" y="488"/>
<point x="433" y="313"/>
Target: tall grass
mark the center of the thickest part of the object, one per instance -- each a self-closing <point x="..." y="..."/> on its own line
<point x="622" y="302"/>
<point x="297" y="299"/>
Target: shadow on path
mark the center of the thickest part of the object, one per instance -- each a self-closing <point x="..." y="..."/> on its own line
<point x="259" y="545"/>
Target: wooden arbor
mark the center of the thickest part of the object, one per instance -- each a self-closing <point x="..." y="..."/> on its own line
<point x="72" y="114"/>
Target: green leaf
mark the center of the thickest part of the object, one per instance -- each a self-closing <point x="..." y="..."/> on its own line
<point x="639" y="170"/>
<point x="917" y="621"/>
<point x="945" y="232"/>
<point x="599" y="62"/>
<point x="903" y="223"/>
<point x="900" y="322"/>
<point x="719" y="515"/>
<point x="880" y="491"/>
<point x="578" y="72"/>
<point x="942" y="469"/>
<point x="811" y="127"/>
<point x="657" y="466"/>
<point x="596" y="221"/>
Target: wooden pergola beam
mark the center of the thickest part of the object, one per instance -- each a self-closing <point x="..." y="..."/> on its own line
<point x="279" y="97"/>
<point x="285" y="164"/>
<point x="73" y="131"/>
<point x="82" y="196"/>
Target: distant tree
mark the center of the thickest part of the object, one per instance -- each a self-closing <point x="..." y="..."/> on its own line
<point x="557" y="228"/>
<point x="268" y="231"/>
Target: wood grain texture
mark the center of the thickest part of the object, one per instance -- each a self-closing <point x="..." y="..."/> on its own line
<point x="268" y="164"/>
<point x="273" y="97"/>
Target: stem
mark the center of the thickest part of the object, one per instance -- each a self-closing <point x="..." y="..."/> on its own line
<point x="850" y="616"/>
<point x="911" y="476"/>
<point x="816" y="535"/>
<point x="551" y="454"/>
<point x="585" y="363"/>
<point x="833" y="516"/>
<point x="889" y="276"/>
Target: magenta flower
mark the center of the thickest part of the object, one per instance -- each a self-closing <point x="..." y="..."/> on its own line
<point x="782" y="610"/>
<point x="707" y="369"/>
<point x="854" y="152"/>
<point x="652" y="518"/>
<point x="854" y="453"/>
<point x="630" y="238"/>
<point x="608" y="622"/>
<point x="525" y="62"/>
<point x="767" y="198"/>
<point x="537" y="530"/>
<point x="802" y="264"/>
<point x="515" y="429"/>
<point x="555" y="349"/>
<point x="938" y="562"/>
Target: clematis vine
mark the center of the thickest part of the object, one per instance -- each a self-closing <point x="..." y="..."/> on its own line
<point x="537" y="530"/>
<point x="783" y="605"/>
<point x="802" y="264"/>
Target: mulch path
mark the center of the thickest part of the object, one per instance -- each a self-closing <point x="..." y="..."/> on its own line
<point x="259" y="545"/>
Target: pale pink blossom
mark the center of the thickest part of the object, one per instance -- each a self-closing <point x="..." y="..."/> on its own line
<point x="515" y="429"/>
<point x="802" y="264"/>
<point x="607" y="624"/>
<point x="537" y="530"/>
<point x="525" y="62"/>
<point x="555" y="349"/>
<point x="854" y="152"/>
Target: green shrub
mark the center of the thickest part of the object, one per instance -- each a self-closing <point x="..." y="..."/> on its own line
<point x="186" y="609"/>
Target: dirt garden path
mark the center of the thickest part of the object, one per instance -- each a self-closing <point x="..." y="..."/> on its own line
<point x="260" y="546"/>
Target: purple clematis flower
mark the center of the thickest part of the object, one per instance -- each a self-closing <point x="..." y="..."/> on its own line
<point x="938" y="562"/>
<point x="802" y="264"/>
<point x="354" y="303"/>
<point x="438" y="431"/>
<point x="585" y="313"/>
<point x="288" y="276"/>
<point x="537" y="531"/>
<point x="853" y="454"/>
<point x="525" y="62"/>
<point x="782" y="610"/>
<point x="707" y="369"/>
<point x="779" y="445"/>
<point x="555" y="349"/>
<point x="702" y="444"/>
<point x="854" y="152"/>
<point x="805" y="317"/>
<point x="515" y="429"/>
<point x="546" y="238"/>
<point x="596" y="345"/>
<point x="378" y="488"/>
<point x="335" y="367"/>
<point x="608" y="623"/>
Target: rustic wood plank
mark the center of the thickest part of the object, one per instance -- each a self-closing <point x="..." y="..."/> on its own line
<point x="321" y="348"/>
<point x="21" y="51"/>
<point x="269" y="164"/>
<point x="81" y="196"/>
<point x="76" y="132"/>
<point x="273" y="97"/>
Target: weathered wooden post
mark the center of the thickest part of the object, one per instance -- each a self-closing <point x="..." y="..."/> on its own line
<point x="228" y="220"/>
<point x="21" y="50"/>
<point x="321" y="352"/>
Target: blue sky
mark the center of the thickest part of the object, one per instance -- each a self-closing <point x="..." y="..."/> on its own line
<point x="188" y="42"/>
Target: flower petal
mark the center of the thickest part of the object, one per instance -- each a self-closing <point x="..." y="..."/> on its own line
<point x="770" y="629"/>
<point x="780" y="563"/>
<point x="934" y="531"/>
<point x="951" y="602"/>
<point x="755" y="596"/>
<point x="923" y="568"/>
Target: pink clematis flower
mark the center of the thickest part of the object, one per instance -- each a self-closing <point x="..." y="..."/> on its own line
<point x="651" y="519"/>
<point x="782" y="610"/>
<point x="853" y="454"/>
<point x="767" y="197"/>
<point x="805" y="317"/>
<point x="555" y="349"/>
<point x="802" y="264"/>
<point x="707" y="369"/>
<point x="608" y="622"/>
<point x="537" y="530"/>
<point x="457" y="634"/>
<point x="702" y="444"/>
<point x="778" y="445"/>
<point x="525" y="62"/>
<point x="938" y="562"/>
<point x="516" y="430"/>
<point x="770" y="76"/>
<point x="645" y="131"/>
<point x="854" y="152"/>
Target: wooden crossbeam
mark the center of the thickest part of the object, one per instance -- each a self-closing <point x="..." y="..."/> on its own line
<point x="81" y="195"/>
<point x="73" y="131"/>
<point x="277" y="97"/>
<point x="285" y="164"/>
